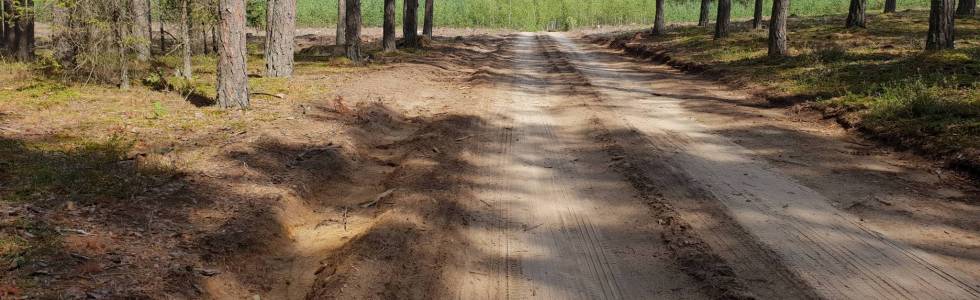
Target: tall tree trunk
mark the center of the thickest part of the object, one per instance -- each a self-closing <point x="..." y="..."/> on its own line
<point x="705" y="17"/>
<point x="341" y="22"/>
<point x="427" y="23"/>
<point x="777" y="29"/>
<point x="890" y="6"/>
<point x="141" y="35"/>
<point x="279" y="35"/>
<point x="185" y="36"/>
<point x="204" y="38"/>
<point x="724" y="18"/>
<point x="163" y="41"/>
<point x="353" y="48"/>
<point x="757" y="15"/>
<point x="120" y="34"/>
<point x="941" y="35"/>
<point x="967" y="8"/>
<point x="855" y="15"/>
<point x="10" y="26"/>
<point x="388" y="39"/>
<point x="149" y="25"/>
<point x="410" y="23"/>
<point x="4" y="17"/>
<point x="214" y="39"/>
<point x="232" y="72"/>
<point x="190" y="24"/>
<point x="25" y="31"/>
<point x="61" y="36"/>
<point x="658" y="20"/>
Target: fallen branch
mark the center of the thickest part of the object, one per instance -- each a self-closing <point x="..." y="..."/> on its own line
<point x="791" y="161"/>
<point x="76" y="231"/>
<point x="377" y="199"/>
<point x="280" y="96"/>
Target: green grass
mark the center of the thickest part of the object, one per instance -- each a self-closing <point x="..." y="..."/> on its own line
<point x="940" y="119"/>
<point x="42" y="94"/>
<point x="537" y="14"/>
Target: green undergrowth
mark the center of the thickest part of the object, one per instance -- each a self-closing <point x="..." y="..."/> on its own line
<point x="938" y="119"/>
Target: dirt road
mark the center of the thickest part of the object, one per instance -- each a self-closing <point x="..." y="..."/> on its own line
<point x="489" y="166"/>
<point x="603" y="185"/>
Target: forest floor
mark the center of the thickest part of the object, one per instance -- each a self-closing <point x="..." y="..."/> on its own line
<point x="488" y="166"/>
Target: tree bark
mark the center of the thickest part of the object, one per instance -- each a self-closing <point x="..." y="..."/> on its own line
<point x="185" y="36"/>
<point x="4" y="17"/>
<point x="967" y="8"/>
<point x="427" y="23"/>
<point x="658" y="20"/>
<point x="856" y="14"/>
<point x="410" y="26"/>
<point x="705" y="17"/>
<point x="25" y="31"/>
<point x="204" y="38"/>
<point x="941" y="34"/>
<point x="353" y="48"/>
<point x="279" y="35"/>
<point x="341" y="22"/>
<point x="757" y="15"/>
<point x="61" y="35"/>
<point x="10" y="26"/>
<point x="890" y="6"/>
<point x="149" y="25"/>
<point x="232" y="76"/>
<point x="388" y="39"/>
<point x="140" y="25"/>
<point x="120" y="34"/>
<point x="163" y="41"/>
<point x="777" y="29"/>
<point x="724" y="18"/>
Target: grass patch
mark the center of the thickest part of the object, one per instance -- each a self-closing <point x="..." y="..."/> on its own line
<point x="84" y="170"/>
<point x="40" y="94"/>
<point x="932" y="118"/>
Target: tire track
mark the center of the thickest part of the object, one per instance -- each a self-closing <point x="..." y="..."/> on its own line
<point x="562" y="225"/>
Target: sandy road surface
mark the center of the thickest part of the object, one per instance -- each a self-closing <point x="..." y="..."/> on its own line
<point x="561" y="222"/>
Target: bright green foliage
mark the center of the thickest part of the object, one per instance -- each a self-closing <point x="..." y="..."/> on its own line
<point x="537" y="14"/>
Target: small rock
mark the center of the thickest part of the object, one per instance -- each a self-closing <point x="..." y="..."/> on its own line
<point x="208" y="272"/>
